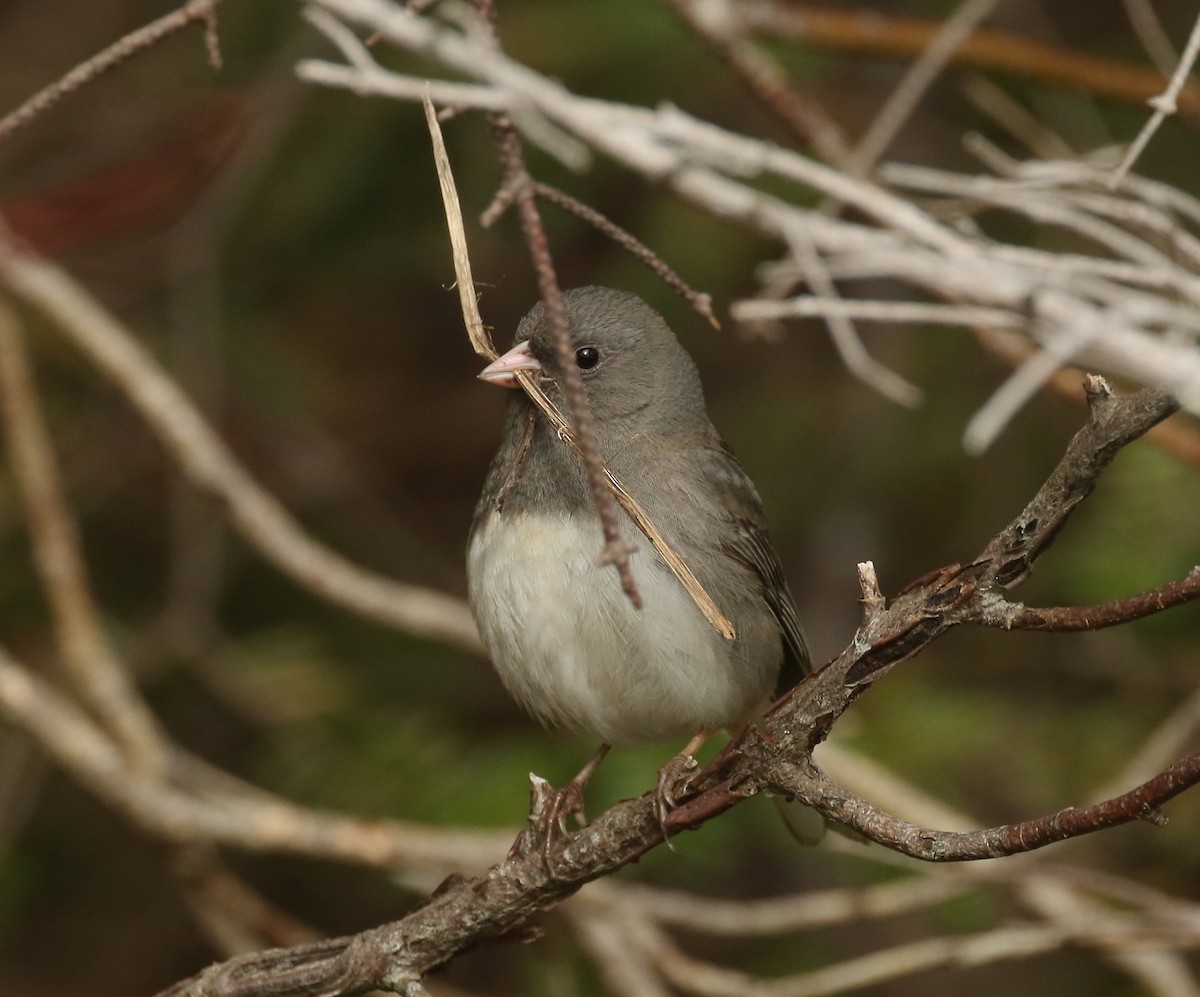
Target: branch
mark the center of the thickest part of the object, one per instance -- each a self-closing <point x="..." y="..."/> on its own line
<point x="203" y="11"/>
<point x="1118" y="306"/>
<point x="198" y="808"/>
<point x="212" y="467"/>
<point x="1063" y="619"/>
<point x="774" y="757"/>
<point x="846" y="808"/>
<point x="848" y="31"/>
<point x="103" y="682"/>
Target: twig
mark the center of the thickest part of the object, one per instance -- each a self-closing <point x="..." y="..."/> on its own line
<point x="102" y="680"/>
<point x="1141" y="803"/>
<point x="235" y="917"/>
<point x="1065" y="619"/>
<point x="194" y="11"/>
<point x="1024" y="382"/>
<point x="720" y="25"/>
<point x="1053" y="892"/>
<point x="907" y="95"/>
<point x="1014" y="941"/>
<point x="1164" y="104"/>
<point x="1182" y="439"/>
<point x="215" y="813"/>
<point x="790" y="914"/>
<point x="917" y="313"/>
<point x="843" y="332"/>
<point x="1169" y="739"/>
<point x="611" y="941"/>
<point x="848" y="31"/>
<point x="700" y="302"/>
<point x="362" y="62"/>
<point x="1010" y="114"/>
<point x="1150" y="32"/>
<point x="517" y="178"/>
<point x="208" y="462"/>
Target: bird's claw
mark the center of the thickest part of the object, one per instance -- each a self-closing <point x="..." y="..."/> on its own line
<point x="674" y="778"/>
<point x="549" y="809"/>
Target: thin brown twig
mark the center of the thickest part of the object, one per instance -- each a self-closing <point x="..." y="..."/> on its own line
<point x="616" y="551"/>
<point x="725" y="34"/>
<point x="1140" y="803"/>
<point x="1064" y="619"/>
<point x="101" y="680"/>
<point x="1054" y="892"/>
<point x="517" y="177"/>
<point x="700" y="301"/>
<point x="203" y="11"/>
<point x="881" y="34"/>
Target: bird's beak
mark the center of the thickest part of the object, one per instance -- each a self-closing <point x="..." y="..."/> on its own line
<point x="503" y="370"/>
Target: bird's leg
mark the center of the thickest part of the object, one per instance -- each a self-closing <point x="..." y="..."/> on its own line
<point x="569" y="798"/>
<point x="551" y="807"/>
<point x="676" y="776"/>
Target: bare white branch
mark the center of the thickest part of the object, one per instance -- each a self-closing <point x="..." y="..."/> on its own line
<point x="1164" y="106"/>
<point x="1133" y="299"/>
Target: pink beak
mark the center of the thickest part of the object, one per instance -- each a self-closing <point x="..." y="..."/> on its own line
<point x="503" y="370"/>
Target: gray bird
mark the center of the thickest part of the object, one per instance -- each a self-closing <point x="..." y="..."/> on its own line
<point x="565" y="639"/>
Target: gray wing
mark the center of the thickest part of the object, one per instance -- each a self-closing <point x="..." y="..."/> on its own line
<point x="748" y="543"/>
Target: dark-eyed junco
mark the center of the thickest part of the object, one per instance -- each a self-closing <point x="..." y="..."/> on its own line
<point x="566" y="640"/>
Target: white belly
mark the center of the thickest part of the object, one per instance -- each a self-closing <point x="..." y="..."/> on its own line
<point x="572" y="649"/>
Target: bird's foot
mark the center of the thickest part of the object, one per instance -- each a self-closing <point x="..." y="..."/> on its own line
<point x="674" y="778"/>
<point x="550" y="808"/>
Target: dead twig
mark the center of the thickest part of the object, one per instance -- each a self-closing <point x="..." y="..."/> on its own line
<point x="102" y="681"/>
<point x="195" y="11"/>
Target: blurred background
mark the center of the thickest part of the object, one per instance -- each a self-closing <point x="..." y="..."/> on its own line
<point x="282" y="249"/>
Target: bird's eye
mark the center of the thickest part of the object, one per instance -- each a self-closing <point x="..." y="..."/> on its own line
<point x="586" y="357"/>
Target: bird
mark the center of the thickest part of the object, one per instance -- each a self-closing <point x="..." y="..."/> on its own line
<point x="567" y="642"/>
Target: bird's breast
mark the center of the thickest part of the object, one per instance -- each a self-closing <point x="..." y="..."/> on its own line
<point x="573" y="650"/>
